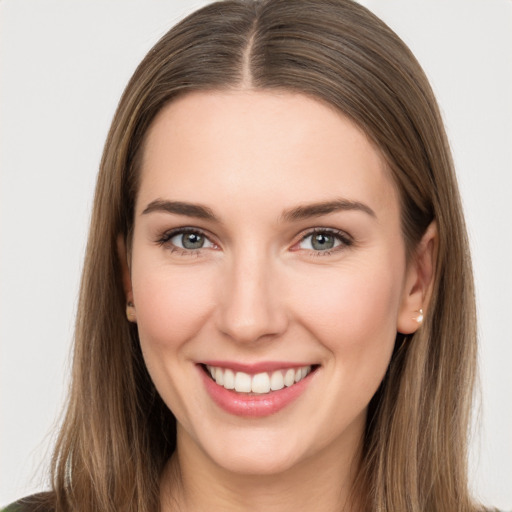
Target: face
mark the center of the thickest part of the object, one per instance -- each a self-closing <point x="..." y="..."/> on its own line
<point x="268" y="276"/>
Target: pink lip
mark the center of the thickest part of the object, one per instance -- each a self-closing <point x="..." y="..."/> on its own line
<point x="254" y="368"/>
<point x="254" y="406"/>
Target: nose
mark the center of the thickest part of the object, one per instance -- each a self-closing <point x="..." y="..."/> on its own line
<point x="250" y="308"/>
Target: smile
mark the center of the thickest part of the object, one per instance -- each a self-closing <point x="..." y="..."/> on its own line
<point x="260" y="383"/>
<point x="255" y="392"/>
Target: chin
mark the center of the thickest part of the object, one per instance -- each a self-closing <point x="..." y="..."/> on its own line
<point x="252" y="464"/>
<point x="260" y="454"/>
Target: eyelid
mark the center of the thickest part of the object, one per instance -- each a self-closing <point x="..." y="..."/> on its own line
<point x="345" y="239"/>
<point x="166" y="236"/>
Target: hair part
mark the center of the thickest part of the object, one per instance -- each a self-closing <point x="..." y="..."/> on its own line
<point x="118" y="434"/>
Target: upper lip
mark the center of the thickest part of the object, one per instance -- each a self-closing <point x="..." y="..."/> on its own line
<point x="259" y="367"/>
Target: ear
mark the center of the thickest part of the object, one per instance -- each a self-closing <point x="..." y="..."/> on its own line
<point x="123" y="256"/>
<point x="418" y="282"/>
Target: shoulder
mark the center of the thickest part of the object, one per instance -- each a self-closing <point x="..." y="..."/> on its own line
<point x="36" y="503"/>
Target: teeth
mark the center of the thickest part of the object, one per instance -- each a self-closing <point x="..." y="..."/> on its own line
<point x="276" y="381"/>
<point x="229" y="379"/>
<point x="261" y="383"/>
<point x="219" y="376"/>
<point x="289" y="377"/>
<point x="242" y="382"/>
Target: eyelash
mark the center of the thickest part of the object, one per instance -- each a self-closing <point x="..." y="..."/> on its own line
<point x="168" y="235"/>
<point x="344" y="239"/>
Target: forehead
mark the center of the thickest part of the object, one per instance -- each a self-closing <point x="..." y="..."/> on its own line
<point x="260" y="148"/>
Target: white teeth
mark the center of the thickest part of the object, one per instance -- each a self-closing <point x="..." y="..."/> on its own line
<point x="289" y="378"/>
<point x="260" y="383"/>
<point x="219" y="376"/>
<point x="242" y="382"/>
<point x="229" y="379"/>
<point x="276" y="381"/>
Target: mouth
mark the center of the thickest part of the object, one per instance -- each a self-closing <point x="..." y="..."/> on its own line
<point x="261" y="383"/>
<point x="255" y="391"/>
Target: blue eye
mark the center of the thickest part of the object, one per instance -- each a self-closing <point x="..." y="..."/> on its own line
<point x="187" y="239"/>
<point x="324" y="241"/>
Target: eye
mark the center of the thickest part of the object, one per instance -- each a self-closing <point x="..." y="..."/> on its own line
<point x="188" y="239"/>
<point x="322" y="240"/>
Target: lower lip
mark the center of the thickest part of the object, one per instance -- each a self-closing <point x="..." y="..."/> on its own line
<point x="255" y="406"/>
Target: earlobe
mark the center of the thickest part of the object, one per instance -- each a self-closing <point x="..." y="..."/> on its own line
<point x="130" y="312"/>
<point x="122" y="254"/>
<point x="418" y="283"/>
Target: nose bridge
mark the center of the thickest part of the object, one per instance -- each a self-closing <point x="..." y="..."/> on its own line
<point x="250" y="308"/>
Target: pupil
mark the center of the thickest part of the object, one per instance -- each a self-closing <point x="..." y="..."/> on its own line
<point x="323" y="242"/>
<point x="193" y="241"/>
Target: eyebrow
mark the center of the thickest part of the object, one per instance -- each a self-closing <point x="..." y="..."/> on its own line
<point x="300" y="212"/>
<point x="318" y="209"/>
<point x="181" y="208"/>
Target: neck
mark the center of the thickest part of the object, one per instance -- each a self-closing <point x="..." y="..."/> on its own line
<point x="194" y="482"/>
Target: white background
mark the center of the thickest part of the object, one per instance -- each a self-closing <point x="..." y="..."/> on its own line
<point x="63" y="66"/>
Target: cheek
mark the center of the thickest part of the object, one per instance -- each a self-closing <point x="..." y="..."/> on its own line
<point x="355" y="312"/>
<point x="171" y="304"/>
<point x="171" y="307"/>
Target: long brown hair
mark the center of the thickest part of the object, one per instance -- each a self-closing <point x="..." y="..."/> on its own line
<point x="117" y="433"/>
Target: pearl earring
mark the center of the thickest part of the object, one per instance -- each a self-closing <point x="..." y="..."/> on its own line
<point x="419" y="318"/>
<point x="130" y="311"/>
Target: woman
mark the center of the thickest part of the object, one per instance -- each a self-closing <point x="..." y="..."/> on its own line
<point x="277" y="303"/>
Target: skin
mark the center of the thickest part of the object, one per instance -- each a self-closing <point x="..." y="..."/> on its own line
<point x="259" y="291"/>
